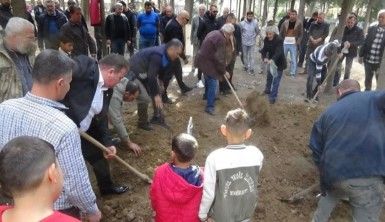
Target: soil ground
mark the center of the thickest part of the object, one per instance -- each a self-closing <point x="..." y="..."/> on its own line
<point x="287" y="169"/>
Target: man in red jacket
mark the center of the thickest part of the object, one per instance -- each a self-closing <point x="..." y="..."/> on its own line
<point x="176" y="190"/>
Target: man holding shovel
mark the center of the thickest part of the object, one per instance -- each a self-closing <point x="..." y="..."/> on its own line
<point x="88" y="100"/>
<point x="348" y="148"/>
<point x="152" y="68"/>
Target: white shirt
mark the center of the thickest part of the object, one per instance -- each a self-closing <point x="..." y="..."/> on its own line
<point x="96" y="105"/>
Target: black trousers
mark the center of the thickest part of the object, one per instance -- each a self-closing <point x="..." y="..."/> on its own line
<point x="94" y="156"/>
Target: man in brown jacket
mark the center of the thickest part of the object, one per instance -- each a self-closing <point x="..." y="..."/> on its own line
<point x="212" y="59"/>
<point x="16" y="57"/>
<point x="292" y="31"/>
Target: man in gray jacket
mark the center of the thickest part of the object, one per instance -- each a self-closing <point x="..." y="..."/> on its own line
<point x="125" y="91"/>
<point x="194" y="32"/>
<point x="250" y="30"/>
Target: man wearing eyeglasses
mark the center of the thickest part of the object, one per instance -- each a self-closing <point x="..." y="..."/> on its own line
<point x="210" y="23"/>
<point x="174" y="30"/>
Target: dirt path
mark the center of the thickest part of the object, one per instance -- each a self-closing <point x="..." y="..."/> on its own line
<point x="287" y="168"/>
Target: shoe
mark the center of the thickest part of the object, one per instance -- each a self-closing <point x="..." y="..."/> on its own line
<point x="159" y="121"/>
<point x="114" y="190"/>
<point x="167" y="100"/>
<point x="266" y="92"/>
<point x="210" y="112"/>
<point x="185" y="89"/>
<point x="205" y="98"/>
<point x="245" y="69"/>
<point x="145" y="126"/>
<point x="271" y="101"/>
<point x="200" y="84"/>
<point x="225" y="93"/>
<point x="116" y="141"/>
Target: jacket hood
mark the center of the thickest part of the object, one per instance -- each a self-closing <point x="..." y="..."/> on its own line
<point x="174" y="187"/>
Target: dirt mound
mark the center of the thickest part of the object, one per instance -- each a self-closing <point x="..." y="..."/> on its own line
<point x="258" y="109"/>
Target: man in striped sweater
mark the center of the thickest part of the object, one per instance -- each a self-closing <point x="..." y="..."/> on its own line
<point x="316" y="68"/>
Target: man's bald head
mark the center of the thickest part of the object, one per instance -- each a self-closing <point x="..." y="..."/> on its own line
<point x="348" y="85"/>
<point x="183" y="17"/>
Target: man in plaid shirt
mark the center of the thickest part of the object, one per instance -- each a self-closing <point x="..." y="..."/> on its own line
<point x="39" y="114"/>
<point x="373" y="49"/>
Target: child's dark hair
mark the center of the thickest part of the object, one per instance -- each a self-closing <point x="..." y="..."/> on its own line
<point x="184" y="147"/>
<point x="237" y="121"/>
<point x="65" y="39"/>
<point x="23" y="162"/>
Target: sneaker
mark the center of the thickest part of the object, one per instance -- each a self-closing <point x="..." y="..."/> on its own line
<point x="167" y="100"/>
<point x="200" y="84"/>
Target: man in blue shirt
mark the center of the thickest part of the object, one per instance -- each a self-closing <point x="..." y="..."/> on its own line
<point x="349" y="150"/>
<point x="148" y="23"/>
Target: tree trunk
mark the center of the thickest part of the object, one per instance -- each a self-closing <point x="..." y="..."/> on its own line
<point x="310" y="9"/>
<point x="250" y="5"/>
<point x="260" y="8"/>
<point x="62" y="4"/>
<point x="33" y="3"/>
<point x="172" y="4"/>
<point x="239" y="10"/>
<point x="264" y="16"/>
<point x="244" y="7"/>
<point x="86" y="9"/>
<point x="346" y="8"/>
<point x="189" y="5"/>
<point x="19" y="8"/>
<point x="371" y="3"/>
<point x="292" y="4"/>
<point x="275" y="9"/>
<point x="301" y="10"/>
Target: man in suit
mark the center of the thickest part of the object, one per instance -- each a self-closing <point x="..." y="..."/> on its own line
<point x="88" y="106"/>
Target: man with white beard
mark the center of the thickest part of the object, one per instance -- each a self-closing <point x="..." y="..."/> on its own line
<point x="17" y="52"/>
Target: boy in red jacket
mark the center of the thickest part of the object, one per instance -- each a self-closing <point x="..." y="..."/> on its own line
<point x="31" y="176"/>
<point x="176" y="190"/>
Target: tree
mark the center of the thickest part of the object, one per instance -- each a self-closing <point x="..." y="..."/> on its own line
<point x="301" y="10"/>
<point x="292" y="4"/>
<point x="264" y="16"/>
<point x="85" y="8"/>
<point x="368" y="14"/>
<point x="346" y="8"/>
<point x="275" y="9"/>
<point x="189" y="5"/>
<point x="19" y="8"/>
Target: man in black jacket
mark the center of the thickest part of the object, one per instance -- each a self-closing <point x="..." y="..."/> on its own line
<point x="353" y="37"/>
<point x="210" y="23"/>
<point x="49" y="25"/>
<point x="88" y="101"/>
<point x="174" y="30"/>
<point x="153" y="67"/>
<point x="373" y="49"/>
<point x="75" y="30"/>
<point x="117" y="30"/>
<point x="131" y="17"/>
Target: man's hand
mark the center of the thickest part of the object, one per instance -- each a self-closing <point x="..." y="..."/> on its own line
<point x="266" y="60"/>
<point x="340" y="55"/>
<point x="110" y="153"/>
<point x="108" y="42"/>
<point x="347" y="44"/>
<point x="128" y="42"/>
<point x="94" y="217"/>
<point x="158" y="102"/>
<point x="227" y="75"/>
<point x="185" y="61"/>
<point x="360" y="60"/>
<point x="134" y="148"/>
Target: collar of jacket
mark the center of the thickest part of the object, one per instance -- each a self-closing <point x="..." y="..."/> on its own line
<point x="165" y="59"/>
<point x="346" y="94"/>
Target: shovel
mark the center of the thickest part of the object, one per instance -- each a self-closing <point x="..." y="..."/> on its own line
<point x="117" y="158"/>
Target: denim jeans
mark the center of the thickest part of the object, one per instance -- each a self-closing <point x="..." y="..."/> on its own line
<point x="248" y="53"/>
<point x="272" y="85"/>
<point x="117" y="46"/>
<point x="146" y="42"/>
<point x="292" y="49"/>
<point x="348" y="68"/>
<point x="210" y="90"/>
<point x="370" y="71"/>
<point x="365" y="196"/>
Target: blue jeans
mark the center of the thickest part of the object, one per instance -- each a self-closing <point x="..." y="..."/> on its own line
<point x="365" y="196"/>
<point x="117" y="46"/>
<point x="272" y="85"/>
<point x="146" y="42"/>
<point x="292" y="49"/>
<point x="210" y="90"/>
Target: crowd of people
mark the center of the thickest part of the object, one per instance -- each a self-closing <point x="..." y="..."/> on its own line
<point x="69" y="88"/>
